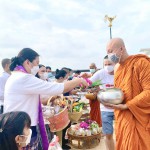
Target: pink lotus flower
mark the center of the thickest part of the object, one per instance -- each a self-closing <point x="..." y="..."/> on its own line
<point x="84" y="125"/>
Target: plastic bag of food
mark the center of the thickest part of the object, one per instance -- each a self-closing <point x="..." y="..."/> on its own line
<point x="54" y="145"/>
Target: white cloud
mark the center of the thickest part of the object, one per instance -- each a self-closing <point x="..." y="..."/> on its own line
<point x="71" y="33"/>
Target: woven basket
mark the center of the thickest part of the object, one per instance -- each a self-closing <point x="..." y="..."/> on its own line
<point x="75" y="116"/>
<point x="59" y="121"/>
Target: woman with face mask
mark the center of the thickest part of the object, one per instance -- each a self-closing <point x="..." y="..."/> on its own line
<point x="15" y="132"/>
<point x="106" y="75"/>
<point x="42" y="74"/>
<point x="22" y="92"/>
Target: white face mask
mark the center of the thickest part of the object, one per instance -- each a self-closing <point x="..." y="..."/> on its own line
<point x="92" y="70"/>
<point x="34" y="70"/>
<point x="28" y="139"/>
<point x="109" y="68"/>
<point x="44" y="76"/>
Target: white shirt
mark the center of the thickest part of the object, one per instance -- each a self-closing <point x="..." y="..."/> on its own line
<point x="3" y="79"/>
<point x="105" y="78"/>
<point x="22" y="92"/>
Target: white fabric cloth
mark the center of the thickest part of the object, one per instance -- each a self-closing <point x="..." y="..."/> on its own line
<point x="22" y="93"/>
<point x="3" y="78"/>
<point x="105" y="78"/>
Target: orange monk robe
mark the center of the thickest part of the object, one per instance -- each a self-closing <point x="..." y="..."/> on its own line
<point x="95" y="111"/>
<point x="133" y="125"/>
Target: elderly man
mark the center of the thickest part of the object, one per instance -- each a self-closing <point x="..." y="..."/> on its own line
<point x="3" y="78"/>
<point x="93" y="68"/>
<point x="132" y="75"/>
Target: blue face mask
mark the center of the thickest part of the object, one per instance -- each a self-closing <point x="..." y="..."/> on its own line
<point x="113" y="58"/>
<point x="50" y="75"/>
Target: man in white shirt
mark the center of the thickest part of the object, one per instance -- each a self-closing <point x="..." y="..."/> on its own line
<point x="106" y="76"/>
<point x="3" y="78"/>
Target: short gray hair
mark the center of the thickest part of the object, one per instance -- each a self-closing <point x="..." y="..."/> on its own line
<point x="5" y="61"/>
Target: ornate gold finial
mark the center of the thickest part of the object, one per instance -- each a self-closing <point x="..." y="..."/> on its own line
<point x="110" y="19"/>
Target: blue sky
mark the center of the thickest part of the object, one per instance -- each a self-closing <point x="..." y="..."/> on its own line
<point x="71" y="33"/>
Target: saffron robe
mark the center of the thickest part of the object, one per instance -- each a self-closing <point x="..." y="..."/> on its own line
<point x="132" y="126"/>
<point x="95" y="111"/>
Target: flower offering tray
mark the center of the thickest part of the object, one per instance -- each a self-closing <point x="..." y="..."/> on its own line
<point x="83" y="141"/>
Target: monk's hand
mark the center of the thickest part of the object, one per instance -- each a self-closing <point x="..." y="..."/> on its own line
<point x="117" y="106"/>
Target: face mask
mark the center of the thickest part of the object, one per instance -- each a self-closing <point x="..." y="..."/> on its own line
<point x="44" y="76"/>
<point x="50" y="74"/>
<point x="114" y="58"/>
<point x="34" y="70"/>
<point x="92" y="70"/>
<point x="28" y="139"/>
<point x="109" y="68"/>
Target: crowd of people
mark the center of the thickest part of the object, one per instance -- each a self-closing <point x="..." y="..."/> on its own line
<point x="26" y="85"/>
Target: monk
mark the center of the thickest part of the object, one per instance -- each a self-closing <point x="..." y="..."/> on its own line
<point x="132" y="75"/>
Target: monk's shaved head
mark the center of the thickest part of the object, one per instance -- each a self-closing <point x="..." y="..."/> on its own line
<point x="115" y="43"/>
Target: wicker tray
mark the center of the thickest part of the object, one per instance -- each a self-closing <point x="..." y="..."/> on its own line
<point x="87" y="140"/>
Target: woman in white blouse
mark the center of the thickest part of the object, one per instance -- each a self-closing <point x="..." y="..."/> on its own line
<point x="22" y="90"/>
